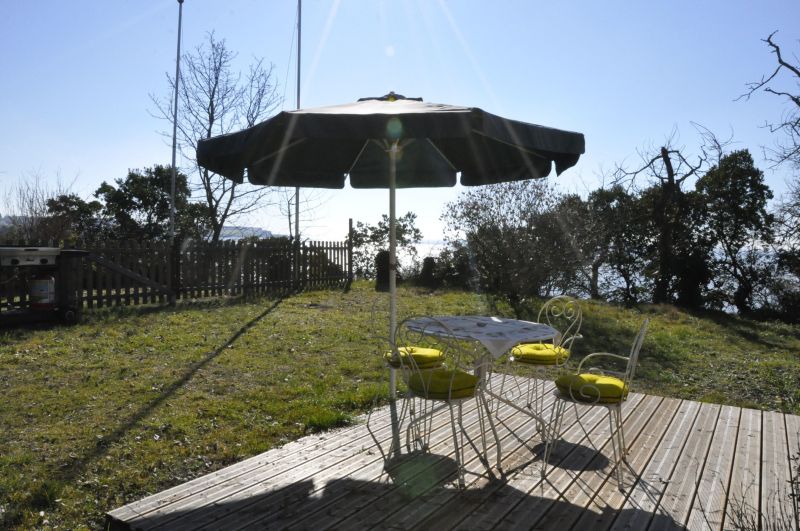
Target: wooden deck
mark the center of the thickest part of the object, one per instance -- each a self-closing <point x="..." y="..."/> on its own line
<point x="690" y="466"/>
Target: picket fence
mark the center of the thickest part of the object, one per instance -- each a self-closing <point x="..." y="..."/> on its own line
<point x="122" y="273"/>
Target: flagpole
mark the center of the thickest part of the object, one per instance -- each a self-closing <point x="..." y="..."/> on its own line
<point x="175" y="127"/>
<point x="173" y="257"/>
<point x="297" y="188"/>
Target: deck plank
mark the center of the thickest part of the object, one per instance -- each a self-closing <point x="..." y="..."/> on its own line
<point x="793" y="448"/>
<point x="609" y="500"/>
<point x="257" y="482"/>
<point x="690" y="466"/>
<point x="377" y="504"/>
<point x="286" y="455"/>
<point x="708" y="508"/>
<point x="242" y="507"/>
<point x="646" y="495"/>
<point x="227" y="494"/>
<point x="742" y="504"/>
<point x="592" y="493"/>
<point x="357" y="496"/>
<point x="676" y="502"/>
<point x="486" y="508"/>
<point x="582" y="450"/>
<point x="775" y="473"/>
<point x="431" y="500"/>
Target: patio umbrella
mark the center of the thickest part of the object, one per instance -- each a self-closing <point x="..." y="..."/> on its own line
<point x="389" y="142"/>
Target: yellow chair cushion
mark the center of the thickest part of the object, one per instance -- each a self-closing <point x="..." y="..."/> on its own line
<point x="540" y="354"/>
<point x="443" y="384"/>
<point x="592" y="388"/>
<point x="425" y="358"/>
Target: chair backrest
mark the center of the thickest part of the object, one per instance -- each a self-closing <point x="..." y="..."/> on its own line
<point x="565" y="315"/>
<point x="633" y="358"/>
<point x="457" y="356"/>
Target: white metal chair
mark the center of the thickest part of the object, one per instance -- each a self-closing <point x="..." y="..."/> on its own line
<point x="453" y="382"/>
<point x="607" y="387"/>
<point x="565" y="315"/>
<point x="423" y="357"/>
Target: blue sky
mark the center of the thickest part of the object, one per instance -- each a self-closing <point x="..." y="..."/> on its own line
<point x="77" y="78"/>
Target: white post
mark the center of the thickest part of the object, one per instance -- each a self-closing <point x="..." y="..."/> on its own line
<point x="393" y="292"/>
<point x="392" y="240"/>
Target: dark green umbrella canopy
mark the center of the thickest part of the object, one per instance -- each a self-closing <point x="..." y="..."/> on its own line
<point x="320" y="147"/>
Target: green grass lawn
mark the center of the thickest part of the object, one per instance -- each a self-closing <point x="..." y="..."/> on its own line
<point x="133" y="401"/>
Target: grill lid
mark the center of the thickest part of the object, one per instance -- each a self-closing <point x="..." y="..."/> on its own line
<point x="28" y="256"/>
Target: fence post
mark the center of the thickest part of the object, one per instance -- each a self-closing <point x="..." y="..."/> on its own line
<point x="70" y="289"/>
<point x="350" y="253"/>
<point x="298" y="261"/>
<point x="174" y="271"/>
<point x="305" y="261"/>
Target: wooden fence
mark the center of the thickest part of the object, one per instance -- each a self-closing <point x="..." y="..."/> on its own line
<point x="125" y="273"/>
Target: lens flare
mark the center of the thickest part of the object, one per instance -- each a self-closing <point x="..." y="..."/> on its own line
<point x="394" y="128"/>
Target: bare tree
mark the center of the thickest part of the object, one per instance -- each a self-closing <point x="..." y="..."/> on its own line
<point x="669" y="168"/>
<point x="788" y="148"/>
<point x="784" y="82"/>
<point x="310" y="201"/>
<point x="26" y="204"/>
<point x="215" y="99"/>
<point x="789" y="216"/>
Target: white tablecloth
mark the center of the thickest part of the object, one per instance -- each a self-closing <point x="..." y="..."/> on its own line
<point x="497" y="334"/>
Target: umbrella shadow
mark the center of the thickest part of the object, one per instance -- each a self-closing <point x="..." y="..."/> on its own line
<point x="415" y="492"/>
<point x="566" y="448"/>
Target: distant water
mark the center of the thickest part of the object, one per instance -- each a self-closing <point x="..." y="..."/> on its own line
<point x="424" y="249"/>
<point x="430" y="248"/>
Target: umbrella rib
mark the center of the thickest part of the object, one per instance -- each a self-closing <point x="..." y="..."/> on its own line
<point x="383" y="145"/>
<point x="280" y="151"/>
<point x="360" y="152"/>
<point x="444" y="157"/>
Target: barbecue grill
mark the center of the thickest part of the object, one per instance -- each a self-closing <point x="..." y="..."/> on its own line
<point x="29" y="256"/>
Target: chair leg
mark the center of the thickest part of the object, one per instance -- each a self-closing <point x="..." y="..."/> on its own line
<point x="420" y="424"/>
<point x="552" y="435"/>
<point x="482" y="428"/>
<point x="617" y="440"/>
<point x="500" y="393"/>
<point x="415" y="429"/>
<point x="457" y="443"/>
<point x="482" y="399"/>
<point x="622" y="443"/>
<point x="538" y="399"/>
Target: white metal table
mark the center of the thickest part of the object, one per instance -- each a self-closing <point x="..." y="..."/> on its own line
<point x="497" y="334"/>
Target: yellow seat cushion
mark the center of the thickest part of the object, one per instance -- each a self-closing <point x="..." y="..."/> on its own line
<point x="540" y="354"/>
<point x="424" y="358"/>
<point x="443" y="384"/>
<point x="592" y="388"/>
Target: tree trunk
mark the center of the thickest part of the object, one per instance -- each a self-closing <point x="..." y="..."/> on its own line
<point x="594" y="289"/>
<point x="664" y="216"/>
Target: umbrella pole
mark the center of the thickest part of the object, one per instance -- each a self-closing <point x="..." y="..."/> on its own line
<point x="392" y="240"/>
<point x="393" y="294"/>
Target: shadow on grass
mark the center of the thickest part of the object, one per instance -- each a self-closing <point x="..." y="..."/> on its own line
<point x="80" y="464"/>
<point x="748" y="329"/>
<point x="11" y="330"/>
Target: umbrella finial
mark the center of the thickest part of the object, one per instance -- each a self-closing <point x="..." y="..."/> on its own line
<point x="390" y="97"/>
